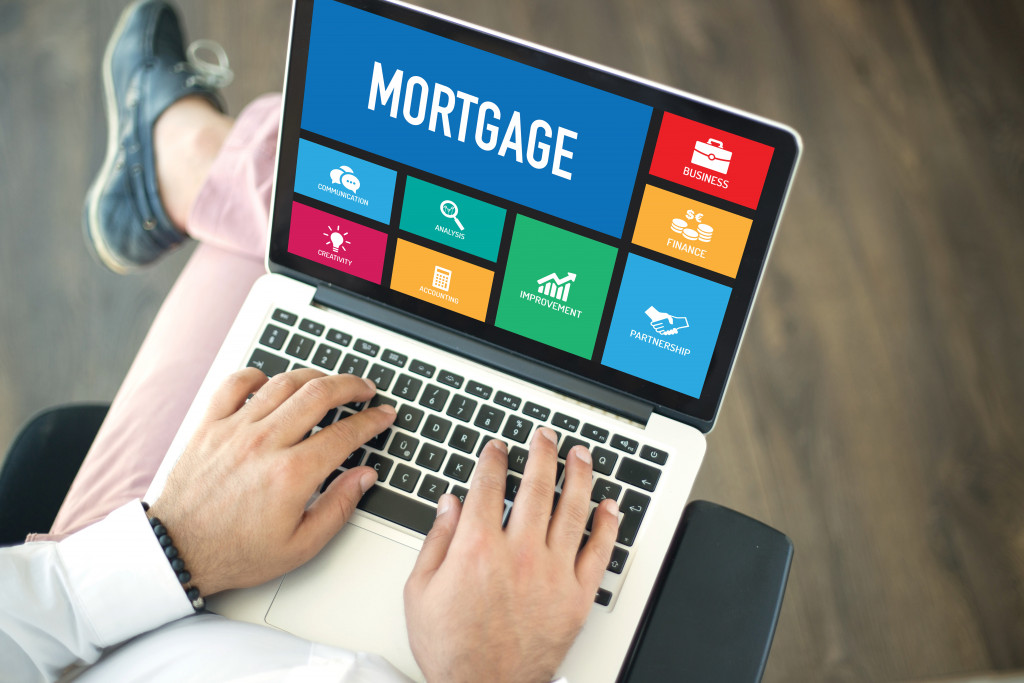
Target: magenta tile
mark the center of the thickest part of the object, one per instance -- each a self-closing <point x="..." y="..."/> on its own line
<point x="336" y="242"/>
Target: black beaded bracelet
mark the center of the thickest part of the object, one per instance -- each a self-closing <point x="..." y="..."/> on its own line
<point x="177" y="564"/>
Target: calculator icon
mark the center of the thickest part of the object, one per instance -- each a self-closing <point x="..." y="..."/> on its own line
<point x="442" y="278"/>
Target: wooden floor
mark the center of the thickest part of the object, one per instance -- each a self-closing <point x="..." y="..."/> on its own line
<point x="875" y="414"/>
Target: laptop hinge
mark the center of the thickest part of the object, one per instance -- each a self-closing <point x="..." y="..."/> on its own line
<point x="485" y="353"/>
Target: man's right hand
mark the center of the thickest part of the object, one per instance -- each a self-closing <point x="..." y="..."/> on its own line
<point x="494" y="604"/>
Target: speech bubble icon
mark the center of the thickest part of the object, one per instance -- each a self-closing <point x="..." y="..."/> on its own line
<point x="350" y="181"/>
<point x="336" y="176"/>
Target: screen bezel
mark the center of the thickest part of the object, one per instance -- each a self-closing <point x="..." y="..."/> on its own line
<point x="698" y="411"/>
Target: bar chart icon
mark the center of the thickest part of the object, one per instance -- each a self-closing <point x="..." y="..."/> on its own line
<point x="556" y="287"/>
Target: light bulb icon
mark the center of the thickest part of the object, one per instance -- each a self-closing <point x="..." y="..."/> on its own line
<point x="336" y="239"/>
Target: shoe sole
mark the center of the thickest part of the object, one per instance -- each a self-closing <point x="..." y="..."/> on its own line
<point x="91" y="223"/>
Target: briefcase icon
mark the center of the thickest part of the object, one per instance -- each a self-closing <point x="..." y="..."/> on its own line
<point x="712" y="155"/>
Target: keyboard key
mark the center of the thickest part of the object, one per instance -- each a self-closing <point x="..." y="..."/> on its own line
<point x="436" y="428"/>
<point x="434" y="397"/>
<point x="299" y="347"/>
<point x="431" y="457"/>
<point x="380" y="463"/>
<point x="603" y="597"/>
<point x="432" y="488"/>
<point x="273" y="337"/>
<point x="535" y="411"/>
<point x="479" y="390"/>
<point x="517" y="429"/>
<point x="656" y="456"/>
<point x="394" y="358"/>
<point x="330" y="478"/>
<point x="405" y="478"/>
<point x="422" y="369"/>
<point x="517" y="456"/>
<point x="403" y="446"/>
<point x="618" y="561"/>
<point x="284" y="317"/>
<point x="407" y="387"/>
<point x="328" y="418"/>
<point x="567" y="444"/>
<point x="508" y="400"/>
<point x="623" y="444"/>
<point x="401" y="510"/>
<point x="605" y="489"/>
<point x="563" y="421"/>
<point x="638" y="474"/>
<point x="450" y="378"/>
<point x="460" y="493"/>
<point x="267" y="362"/>
<point x="326" y="357"/>
<point x="369" y="348"/>
<point x="489" y="418"/>
<point x="604" y="460"/>
<point x="594" y="433"/>
<point x="353" y="365"/>
<point x="633" y="507"/>
<point x="310" y="327"/>
<point x="459" y="468"/>
<point x="381" y="376"/>
<point x="354" y="458"/>
<point x="381" y="399"/>
<point x="339" y="338"/>
<point x="464" y="439"/>
<point x="512" y="483"/>
<point x="461" y="407"/>
<point x="408" y="418"/>
<point x="380" y="440"/>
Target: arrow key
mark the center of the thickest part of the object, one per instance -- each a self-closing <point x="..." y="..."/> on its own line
<point x="638" y="474"/>
<point x="618" y="561"/>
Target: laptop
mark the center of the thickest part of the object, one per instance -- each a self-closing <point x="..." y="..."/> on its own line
<point x="501" y="237"/>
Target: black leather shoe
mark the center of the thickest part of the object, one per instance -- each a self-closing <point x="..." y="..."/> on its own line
<point x="145" y="70"/>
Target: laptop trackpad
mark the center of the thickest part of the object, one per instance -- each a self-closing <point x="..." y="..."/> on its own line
<point x="350" y="596"/>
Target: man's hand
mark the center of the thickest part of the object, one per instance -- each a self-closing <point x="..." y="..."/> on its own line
<point x="235" y="503"/>
<point x="486" y="603"/>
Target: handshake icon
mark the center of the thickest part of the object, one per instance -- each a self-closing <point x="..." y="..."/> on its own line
<point x="665" y="324"/>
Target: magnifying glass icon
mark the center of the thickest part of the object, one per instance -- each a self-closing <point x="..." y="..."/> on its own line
<point x="451" y="210"/>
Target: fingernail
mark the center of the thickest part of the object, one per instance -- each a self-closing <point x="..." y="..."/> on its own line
<point x="370" y="384"/>
<point x="444" y="505"/>
<point x="548" y="434"/>
<point x="367" y="481"/>
<point x="613" y="507"/>
<point x="583" y="454"/>
<point x="387" y="408"/>
<point x="500" y="445"/>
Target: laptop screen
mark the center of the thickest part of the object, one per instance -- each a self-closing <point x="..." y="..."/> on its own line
<point x="601" y="225"/>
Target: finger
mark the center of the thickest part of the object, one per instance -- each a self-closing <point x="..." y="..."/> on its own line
<point x="485" y="502"/>
<point x="574" y="504"/>
<point x="332" y="509"/>
<point x="308" y="404"/>
<point x="436" y="544"/>
<point x="593" y="559"/>
<point x="276" y="391"/>
<point x="329" y="447"/>
<point x="531" y="512"/>
<point x="233" y="392"/>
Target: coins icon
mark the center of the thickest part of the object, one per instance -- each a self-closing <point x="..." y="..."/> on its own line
<point x="706" y="232"/>
<point x="678" y="224"/>
<point x="690" y="234"/>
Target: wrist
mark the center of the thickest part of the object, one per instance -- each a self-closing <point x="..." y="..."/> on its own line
<point x="175" y="559"/>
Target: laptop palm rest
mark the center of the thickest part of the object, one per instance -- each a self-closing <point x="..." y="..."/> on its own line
<point x="346" y="596"/>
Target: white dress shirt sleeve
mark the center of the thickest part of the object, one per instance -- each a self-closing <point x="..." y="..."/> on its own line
<point x="62" y="603"/>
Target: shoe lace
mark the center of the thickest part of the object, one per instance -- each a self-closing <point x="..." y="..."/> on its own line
<point x="207" y="73"/>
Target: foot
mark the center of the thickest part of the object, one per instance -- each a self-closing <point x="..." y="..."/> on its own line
<point x="145" y="71"/>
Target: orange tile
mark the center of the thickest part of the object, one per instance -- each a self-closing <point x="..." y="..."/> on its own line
<point x="691" y="231"/>
<point x="441" y="280"/>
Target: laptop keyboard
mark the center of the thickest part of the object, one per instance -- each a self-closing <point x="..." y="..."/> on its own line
<point x="443" y="422"/>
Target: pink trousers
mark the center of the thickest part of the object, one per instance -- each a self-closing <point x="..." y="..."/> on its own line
<point x="229" y="219"/>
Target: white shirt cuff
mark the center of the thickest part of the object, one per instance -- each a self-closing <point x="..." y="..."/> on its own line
<point x="120" y="577"/>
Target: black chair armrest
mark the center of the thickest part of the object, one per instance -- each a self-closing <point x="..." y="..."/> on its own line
<point x="40" y="466"/>
<point x="713" y="613"/>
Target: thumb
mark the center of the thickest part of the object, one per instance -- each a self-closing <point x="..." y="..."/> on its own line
<point x="435" y="545"/>
<point x="331" y="510"/>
